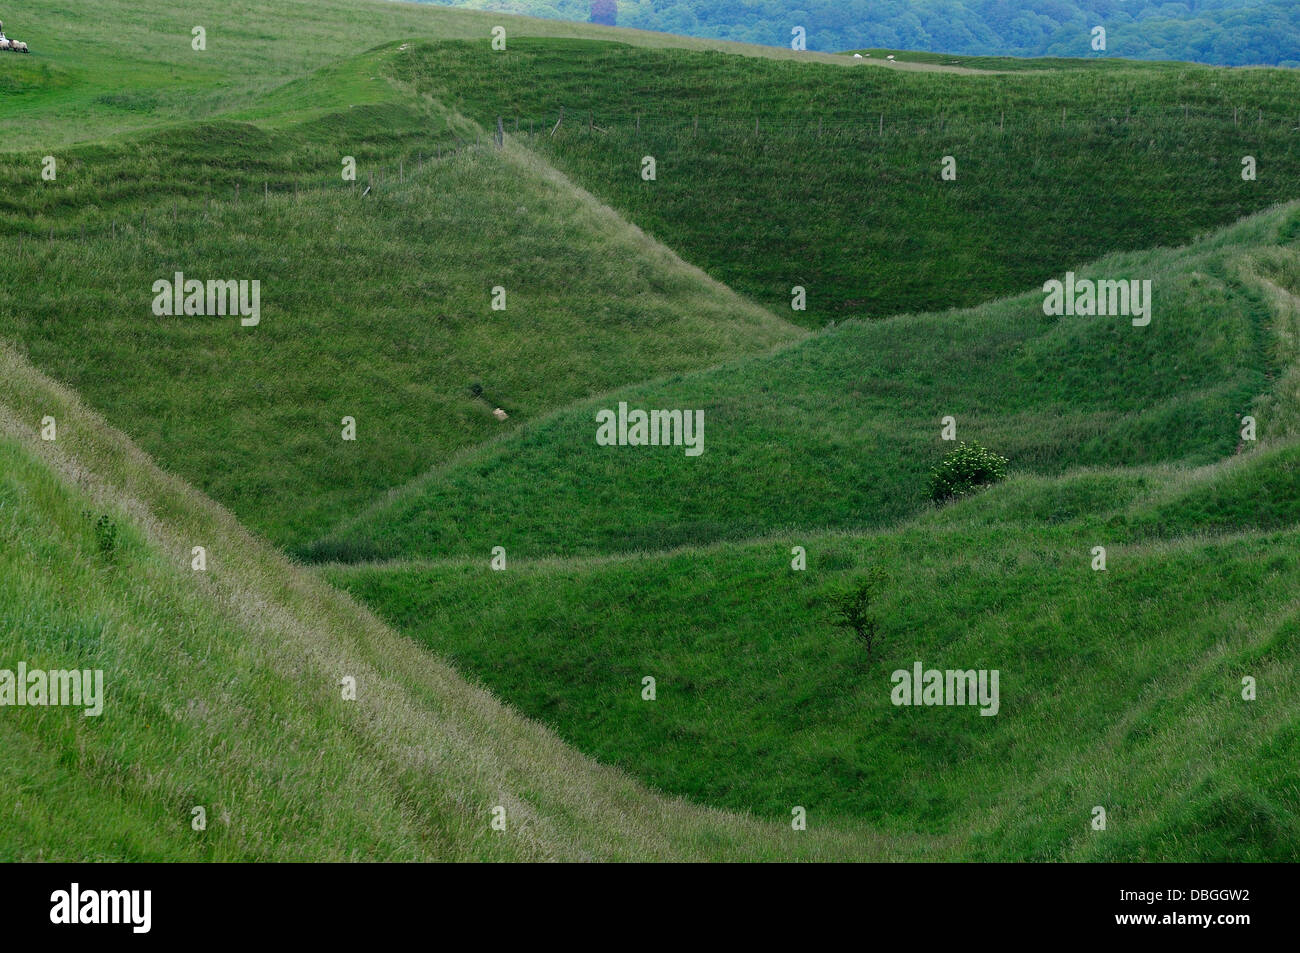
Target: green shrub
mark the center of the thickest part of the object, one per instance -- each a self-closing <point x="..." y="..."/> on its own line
<point x="964" y="470"/>
<point x="855" y="608"/>
<point x="105" y="533"/>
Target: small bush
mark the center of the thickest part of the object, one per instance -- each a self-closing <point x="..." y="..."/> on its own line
<point x="964" y="470"/>
<point x="105" y="533"/>
<point x="855" y="608"/>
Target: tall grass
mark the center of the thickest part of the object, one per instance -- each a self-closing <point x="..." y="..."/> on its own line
<point x="841" y="430"/>
<point x="772" y="175"/>
<point x="375" y="306"/>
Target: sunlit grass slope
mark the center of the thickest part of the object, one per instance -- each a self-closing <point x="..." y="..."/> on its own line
<point x="99" y="69"/>
<point x="1119" y="688"/>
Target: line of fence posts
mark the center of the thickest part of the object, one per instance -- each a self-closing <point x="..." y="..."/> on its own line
<point x="822" y="123"/>
<point x="499" y="138"/>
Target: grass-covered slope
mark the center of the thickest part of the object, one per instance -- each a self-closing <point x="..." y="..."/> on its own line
<point x="101" y="69"/>
<point x="776" y="174"/>
<point x="377" y="308"/>
<point x="1117" y="688"/>
<point x="223" y="691"/>
<point x="841" y="430"/>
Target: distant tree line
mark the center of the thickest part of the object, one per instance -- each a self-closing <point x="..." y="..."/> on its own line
<point x="1224" y="32"/>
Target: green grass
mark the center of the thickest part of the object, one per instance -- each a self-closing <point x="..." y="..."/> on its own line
<point x="117" y="66"/>
<point x="1119" y="688"/>
<point x="223" y="690"/>
<point x="391" y="324"/>
<point x="841" y="430"/>
<point x="812" y="175"/>
<point x="1009" y="63"/>
<point x="762" y="703"/>
<point x="1116" y="687"/>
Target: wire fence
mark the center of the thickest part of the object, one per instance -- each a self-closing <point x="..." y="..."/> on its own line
<point x="881" y="122"/>
<point x="375" y="177"/>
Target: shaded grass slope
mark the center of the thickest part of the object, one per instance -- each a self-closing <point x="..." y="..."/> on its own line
<point x="223" y="690"/>
<point x="776" y="174"/>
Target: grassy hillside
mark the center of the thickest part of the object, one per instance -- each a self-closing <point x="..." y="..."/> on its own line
<point x="842" y="429"/>
<point x="1117" y="688"/>
<point x="99" y="70"/>
<point x="1120" y="688"/>
<point x="772" y="174"/>
<point x="1004" y="63"/>
<point x="223" y="690"/>
<point x="391" y="322"/>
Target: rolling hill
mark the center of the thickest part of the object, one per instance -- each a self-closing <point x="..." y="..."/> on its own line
<point x="628" y="562"/>
<point x="469" y="304"/>
<point x="223" y="690"/>
<point x="1225" y="32"/>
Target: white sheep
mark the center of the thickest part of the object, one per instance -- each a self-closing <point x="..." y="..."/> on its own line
<point x="13" y="46"/>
